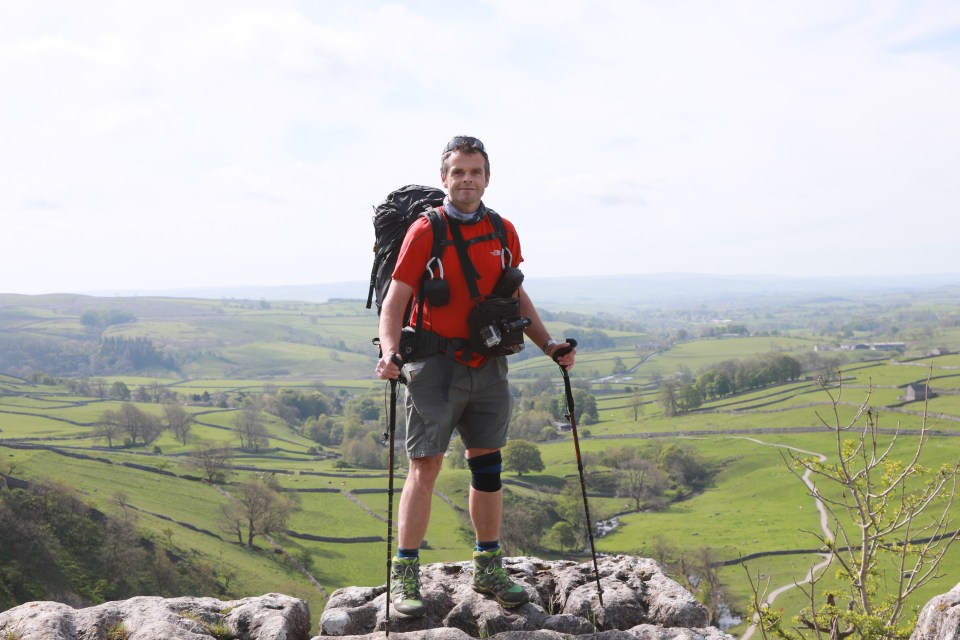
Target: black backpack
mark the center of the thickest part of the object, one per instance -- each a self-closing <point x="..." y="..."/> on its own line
<point x="391" y="219"/>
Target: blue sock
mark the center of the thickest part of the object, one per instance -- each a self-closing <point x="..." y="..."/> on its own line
<point x="487" y="546"/>
<point x="408" y="553"/>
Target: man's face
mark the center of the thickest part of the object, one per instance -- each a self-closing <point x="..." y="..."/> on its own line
<point x="466" y="180"/>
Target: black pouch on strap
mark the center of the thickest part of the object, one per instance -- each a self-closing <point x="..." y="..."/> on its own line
<point x="496" y="328"/>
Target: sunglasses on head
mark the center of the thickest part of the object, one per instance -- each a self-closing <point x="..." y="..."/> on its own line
<point x="464" y="143"/>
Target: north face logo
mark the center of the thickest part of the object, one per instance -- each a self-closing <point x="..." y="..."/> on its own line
<point x="495" y="252"/>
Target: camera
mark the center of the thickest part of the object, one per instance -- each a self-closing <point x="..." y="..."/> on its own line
<point x="492" y="334"/>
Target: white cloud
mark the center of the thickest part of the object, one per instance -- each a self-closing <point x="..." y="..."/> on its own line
<point x="247" y="140"/>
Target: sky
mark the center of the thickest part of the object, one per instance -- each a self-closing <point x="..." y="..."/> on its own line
<point x="151" y="145"/>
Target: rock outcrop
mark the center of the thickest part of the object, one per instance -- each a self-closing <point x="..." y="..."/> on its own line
<point x="268" y="617"/>
<point x="940" y="618"/>
<point x="639" y="601"/>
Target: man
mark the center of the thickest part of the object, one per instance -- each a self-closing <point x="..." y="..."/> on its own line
<point x="456" y="388"/>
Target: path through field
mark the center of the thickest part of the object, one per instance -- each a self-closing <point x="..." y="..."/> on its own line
<point x="824" y="526"/>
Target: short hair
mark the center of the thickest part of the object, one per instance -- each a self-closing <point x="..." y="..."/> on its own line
<point x="466" y="144"/>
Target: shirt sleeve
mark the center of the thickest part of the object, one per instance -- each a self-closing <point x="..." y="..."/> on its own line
<point x="414" y="253"/>
<point x="513" y="242"/>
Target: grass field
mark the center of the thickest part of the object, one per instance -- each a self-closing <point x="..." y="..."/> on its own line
<point x="238" y="348"/>
<point x="768" y="505"/>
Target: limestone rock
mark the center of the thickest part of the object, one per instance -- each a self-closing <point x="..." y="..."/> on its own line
<point x="940" y="618"/>
<point x="268" y="617"/>
<point x="639" y="601"/>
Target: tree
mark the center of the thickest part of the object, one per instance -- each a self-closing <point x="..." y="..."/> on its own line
<point x="231" y="521"/>
<point x="119" y="391"/>
<point x="248" y="425"/>
<point x="570" y="508"/>
<point x="584" y="404"/>
<point x="260" y="506"/>
<point x="100" y="387"/>
<point x="178" y="421"/>
<point x="563" y="534"/>
<point x="684" y="465"/>
<point x="523" y="525"/>
<point x="360" y="409"/>
<point x="668" y="397"/>
<point x="636" y="403"/>
<point x="324" y="430"/>
<point x="689" y="397"/>
<point x="710" y="589"/>
<point x="542" y="384"/>
<point x="458" y="453"/>
<point x="213" y="460"/>
<point x="618" y="366"/>
<point x="890" y="531"/>
<point x="108" y="428"/>
<point x="530" y="424"/>
<point x="138" y="425"/>
<point x="365" y="451"/>
<point x="641" y="481"/>
<point x="295" y="405"/>
<point x="522" y="456"/>
<point x="158" y="392"/>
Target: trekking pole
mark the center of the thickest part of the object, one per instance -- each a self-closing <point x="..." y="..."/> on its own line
<point x="388" y="438"/>
<point x="559" y="353"/>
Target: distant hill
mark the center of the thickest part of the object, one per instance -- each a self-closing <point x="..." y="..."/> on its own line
<point x="658" y="288"/>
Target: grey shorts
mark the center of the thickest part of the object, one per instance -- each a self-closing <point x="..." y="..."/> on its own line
<point x="479" y="407"/>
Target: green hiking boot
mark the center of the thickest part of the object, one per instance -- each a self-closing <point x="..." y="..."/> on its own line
<point x="489" y="576"/>
<point x="405" y="587"/>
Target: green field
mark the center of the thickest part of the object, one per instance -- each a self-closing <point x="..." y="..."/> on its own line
<point x="235" y="351"/>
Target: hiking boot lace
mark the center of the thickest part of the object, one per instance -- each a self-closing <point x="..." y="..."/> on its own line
<point x="497" y="574"/>
<point x="408" y="579"/>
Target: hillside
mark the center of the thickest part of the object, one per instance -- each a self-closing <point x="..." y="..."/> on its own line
<point x="186" y="338"/>
<point x="220" y="358"/>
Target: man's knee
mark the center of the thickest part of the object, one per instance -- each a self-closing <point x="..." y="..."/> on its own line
<point x="485" y="472"/>
<point x="426" y="469"/>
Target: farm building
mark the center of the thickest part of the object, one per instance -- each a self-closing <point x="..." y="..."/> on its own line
<point x="917" y="391"/>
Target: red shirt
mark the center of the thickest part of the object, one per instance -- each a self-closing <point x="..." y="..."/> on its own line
<point x="450" y="320"/>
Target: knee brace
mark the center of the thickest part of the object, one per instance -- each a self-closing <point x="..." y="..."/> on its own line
<point x="485" y="472"/>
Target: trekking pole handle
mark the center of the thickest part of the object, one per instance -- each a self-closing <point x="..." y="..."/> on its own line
<point x="559" y="353"/>
<point x="397" y="360"/>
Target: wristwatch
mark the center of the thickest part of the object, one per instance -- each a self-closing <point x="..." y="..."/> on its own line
<point x="549" y="343"/>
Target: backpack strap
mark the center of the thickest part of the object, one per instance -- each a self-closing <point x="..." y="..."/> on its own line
<point x="438" y="224"/>
<point x="440" y="241"/>
<point x="469" y="271"/>
<point x="501" y="232"/>
<point x="498" y="227"/>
